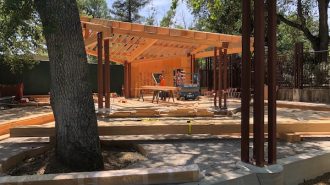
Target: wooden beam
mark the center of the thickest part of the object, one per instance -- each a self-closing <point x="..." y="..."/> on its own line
<point x="112" y="58"/>
<point x="200" y="48"/>
<point x="141" y="49"/>
<point x="187" y="36"/>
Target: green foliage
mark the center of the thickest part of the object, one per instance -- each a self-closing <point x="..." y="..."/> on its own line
<point x="221" y="16"/>
<point x="21" y="34"/>
<point x="167" y="20"/>
<point x="128" y="10"/>
<point x="94" y="8"/>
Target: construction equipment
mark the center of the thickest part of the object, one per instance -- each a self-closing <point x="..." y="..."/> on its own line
<point x="187" y="91"/>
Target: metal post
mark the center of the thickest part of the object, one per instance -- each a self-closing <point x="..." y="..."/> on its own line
<point x="258" y="103"/>
<point x="220" y="82"/>
<point x="215" y="77"/>
<point x="207" y="73"/>
<point x="129" y="74"/>
<point x="271" y="81"/>
<point x="191" y="67"/>
<point x="107" y="72"/>
<point x="225" y="78"/>
<point x="245" y="80"/>
<point x="126" y="79"/>
<point x="99" y="70"/>
<point x="300" y="64"/>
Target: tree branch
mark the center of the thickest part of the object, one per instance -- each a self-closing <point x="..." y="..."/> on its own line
<point x="300" y="27"/>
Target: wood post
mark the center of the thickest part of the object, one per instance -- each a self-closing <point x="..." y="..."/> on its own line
<point x="215" y="89"/>
<point x="100" y="70"/>
<point x="272" y="24"/>
<point x="259" y="75"/>
<point x="107" y="72"/>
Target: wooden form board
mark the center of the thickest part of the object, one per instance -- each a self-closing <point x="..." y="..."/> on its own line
<point x="227" y="128"/>
<point x="38" y="120"/>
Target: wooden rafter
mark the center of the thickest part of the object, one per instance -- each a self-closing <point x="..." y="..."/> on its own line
<point x="141" y="49"/>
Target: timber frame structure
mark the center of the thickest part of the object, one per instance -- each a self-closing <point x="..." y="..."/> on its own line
<point x="129" y="43"/>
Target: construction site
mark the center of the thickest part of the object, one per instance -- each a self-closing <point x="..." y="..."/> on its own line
<point x="192" y="103"/>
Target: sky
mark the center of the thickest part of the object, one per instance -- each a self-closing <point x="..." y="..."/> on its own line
<point x="162" y="6"/>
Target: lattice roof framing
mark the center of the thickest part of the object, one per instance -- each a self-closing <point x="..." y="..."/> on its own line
<point x="135" y="42"/>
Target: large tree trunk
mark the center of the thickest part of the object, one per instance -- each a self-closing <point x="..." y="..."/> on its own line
<point x="77" y="141"/>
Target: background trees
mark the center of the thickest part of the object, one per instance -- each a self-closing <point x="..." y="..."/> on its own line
<point x="94" y="8"/>
<point x="309" y="17"/>
<point x="128" y="10"/>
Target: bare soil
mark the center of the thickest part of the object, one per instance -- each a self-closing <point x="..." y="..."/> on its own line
<point x="321" y="180"/>
<point x="115" y="158"/>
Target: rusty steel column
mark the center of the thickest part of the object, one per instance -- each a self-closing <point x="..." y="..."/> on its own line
<point x="259" y="75"/>
<point x="220" y="82"/>
<point x="272" y="81"/>
<point x="129" y="80"/>
<point x="191" y="68"/>
<point x="215" y="57"/>
<point x="207" y="72"/>
<point x="225" y="78"/>
<point x="107" y="72"/>
<point x="100" y="90"/>
<point x="126" y="79"/>
<point x="245" y="80"/>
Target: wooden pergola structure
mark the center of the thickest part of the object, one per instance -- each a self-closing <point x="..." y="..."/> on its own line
<point x="129" y="43"/>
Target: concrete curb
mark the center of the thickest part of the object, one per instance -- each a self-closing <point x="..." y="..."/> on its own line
<point x="139" y="176"/>
<point x="289" y="171"/>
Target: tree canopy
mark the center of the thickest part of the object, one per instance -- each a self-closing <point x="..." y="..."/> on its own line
<point x="94" y="8"/>
<point x="21" y="34"/>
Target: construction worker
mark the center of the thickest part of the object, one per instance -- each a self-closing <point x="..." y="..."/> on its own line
<point x="162" y="83"/>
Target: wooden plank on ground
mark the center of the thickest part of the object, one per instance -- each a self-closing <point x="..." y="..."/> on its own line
<point x="162" y="129"/>
<point x="38" y="120"/>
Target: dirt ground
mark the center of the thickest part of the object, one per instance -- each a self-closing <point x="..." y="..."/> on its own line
<point x="321" y="180"/>
<point x="115" y="158"/>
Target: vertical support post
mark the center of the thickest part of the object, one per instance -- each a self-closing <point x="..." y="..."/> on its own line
<point x="225" y="78"/>
<point x="215" y="89"/>
<point x="271" y="81"/>
<point x="245" y="80"/>
<point x="207" y="61"/>
<point x="100" y="70"/>
<point x="191" y="67"/>
<point x="300" y="64"/>
<point x="86" y="31"/>
<point x="107" y="72"/>
<point x="129" y="80"/>
<point x="126" y="79"/>
<point x="258" y="103"/>
<point x="220" y="82"/>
